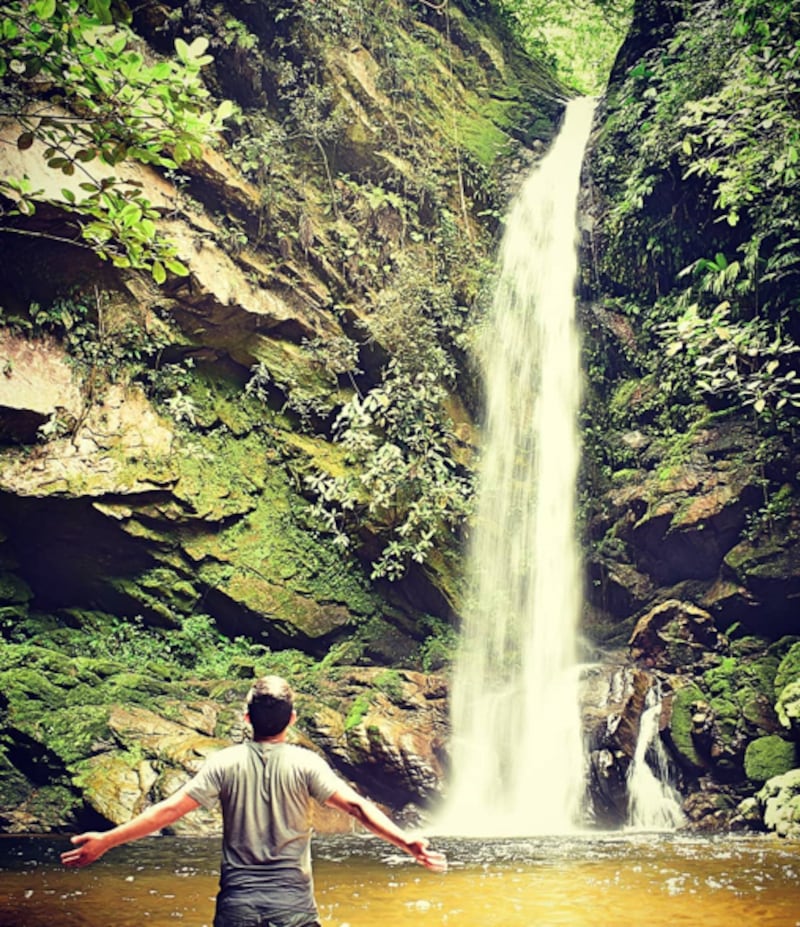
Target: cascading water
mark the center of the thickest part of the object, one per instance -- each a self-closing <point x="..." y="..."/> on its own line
<point x="517" y="753"/>
<point x="653" y="802"/>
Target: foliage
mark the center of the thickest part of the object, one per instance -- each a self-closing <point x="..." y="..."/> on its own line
<point x="196" y="646"/>
<point x="582" y="37"/>
<point x="403" y="475"/>
<point x="745" y="362"/>
<point x="105" y="105"/>
<point x="440" y="645"/>
<point x="705" y="197"/>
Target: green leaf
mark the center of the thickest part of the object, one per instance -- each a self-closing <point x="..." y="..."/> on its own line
<point x="44" y="9"/>
<point x="224" y="111"/>
<point x="25" y="141"/>
<point x="182" y="50"/>
<point x="159" y="274"/>
<point x="177" y="267"/>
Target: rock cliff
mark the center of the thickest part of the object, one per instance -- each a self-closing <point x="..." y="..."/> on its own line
<point x="691" y="477"/>
<point x="163" y="442"/>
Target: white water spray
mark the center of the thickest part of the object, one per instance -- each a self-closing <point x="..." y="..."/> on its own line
<point x="517" y="753"/>
<point x="653" y="802"/>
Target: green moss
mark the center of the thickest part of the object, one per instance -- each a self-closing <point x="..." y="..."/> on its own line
<point x="623" y="396"/>
<point x="30" y="696"/>
<point x="295" y="370"/>
<point x="481" y="136"/>
<point x="273" y="555"/>
<point x="391" y="684"/>
<point x="76" y="732"/>
<point x="358" y="711"/>
<point x="681" y="725"/>
<point x="769" y="756"/>
<point x="741" y="695"/>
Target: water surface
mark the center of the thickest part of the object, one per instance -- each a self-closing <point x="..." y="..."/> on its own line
<point x="607" y="881"/>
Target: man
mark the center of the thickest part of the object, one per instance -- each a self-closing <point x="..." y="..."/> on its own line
<point x="265" y="787"/>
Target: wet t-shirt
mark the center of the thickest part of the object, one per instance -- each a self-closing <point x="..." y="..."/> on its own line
<point x="265" y="791"/>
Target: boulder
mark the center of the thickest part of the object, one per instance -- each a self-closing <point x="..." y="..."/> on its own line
<point x="768" y="757"/>
<point x="676" y="636"/>
<point x="769" y="568"/>
<point x="612" y="700"/>
<point x="116" y="785"/>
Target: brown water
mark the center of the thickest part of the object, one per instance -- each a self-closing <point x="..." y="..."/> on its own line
<point x="595" y="881"/>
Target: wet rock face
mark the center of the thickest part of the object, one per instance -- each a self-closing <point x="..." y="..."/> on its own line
<point x="612" y="699"/>
<point x="692" y="532"/>
<point x="667" y="528"/>
<point x="184" y="487"/>
<point x="36" y="387"/>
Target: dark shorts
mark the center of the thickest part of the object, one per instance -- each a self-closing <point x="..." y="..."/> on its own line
<point x="233" y="913"/>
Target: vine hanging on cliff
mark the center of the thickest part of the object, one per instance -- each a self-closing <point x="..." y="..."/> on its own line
<point x="401" y="473"/>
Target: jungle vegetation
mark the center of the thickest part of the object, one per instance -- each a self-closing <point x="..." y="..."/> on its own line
<point x="714" y="108"/>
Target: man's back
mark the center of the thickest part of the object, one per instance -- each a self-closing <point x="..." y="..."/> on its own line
<point x="265" y="789"/>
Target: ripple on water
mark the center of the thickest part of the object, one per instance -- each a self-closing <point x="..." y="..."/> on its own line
<point x="577" y="881"/>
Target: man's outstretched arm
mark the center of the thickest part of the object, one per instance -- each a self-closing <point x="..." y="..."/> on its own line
<point x="348" y="800"/>
<point x="93" y="844"/>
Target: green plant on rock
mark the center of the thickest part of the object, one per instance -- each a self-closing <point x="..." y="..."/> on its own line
<point x="235" y="33"/>
<point x="703" y="166"/>
<point x="747" y="362"/>
<point x="101" y="338"/>
<point x="106" y="105"/>
<point x="402" y="479"/>
<point x="439" y="648"/>
<point x="314" y="115"/>
<point x="260" y="153"/>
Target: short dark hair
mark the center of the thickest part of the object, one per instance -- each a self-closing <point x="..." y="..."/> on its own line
<point x="270" y="703"/>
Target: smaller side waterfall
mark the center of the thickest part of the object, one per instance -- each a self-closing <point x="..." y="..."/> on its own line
<point x="653" y="801"/>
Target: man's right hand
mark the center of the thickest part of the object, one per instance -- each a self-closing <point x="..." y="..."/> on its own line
<point x="88" y="847"/>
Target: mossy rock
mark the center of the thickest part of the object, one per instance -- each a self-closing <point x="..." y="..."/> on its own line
<point x="55" y="806"/>
<point x="680" y="727"/>
<point x="769" y="756"/>
<point x="30" y="695"/>
<point x="15" y="788"/>
<point x="789" y="668"/>
<point x="788" y="707"/>
<point x="742" y="691"/>
<point x="115" y="785"/>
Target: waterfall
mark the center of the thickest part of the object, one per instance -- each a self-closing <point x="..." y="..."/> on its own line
<point x="517" y="753"/>
<point x="653" y="802"/>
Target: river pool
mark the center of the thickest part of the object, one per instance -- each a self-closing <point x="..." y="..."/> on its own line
<point x="623" y="880"/>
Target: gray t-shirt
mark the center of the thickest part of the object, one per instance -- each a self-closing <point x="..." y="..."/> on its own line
<point x="265" y="791"/>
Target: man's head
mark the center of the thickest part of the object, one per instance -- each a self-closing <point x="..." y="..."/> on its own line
<point x="270" y="706"/>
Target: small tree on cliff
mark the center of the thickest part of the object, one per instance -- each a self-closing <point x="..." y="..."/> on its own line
<point x="86" y="101"/>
